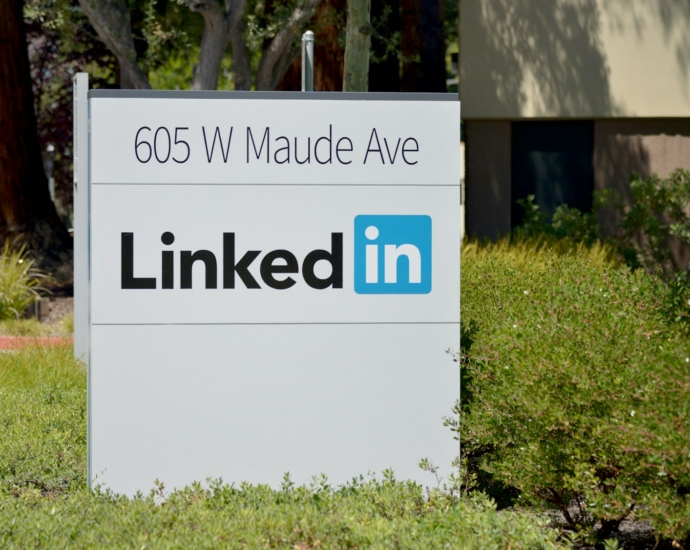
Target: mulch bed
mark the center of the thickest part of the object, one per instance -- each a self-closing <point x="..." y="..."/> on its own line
<point x="20" y="342"/>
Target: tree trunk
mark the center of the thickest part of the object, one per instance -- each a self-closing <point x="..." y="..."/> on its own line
<point x="110" y="18"/>
<point x="241" y="64"/>
<point x="214" y="42"/>
<point x="284" y="48"/>
<point x="292" y="79"/>
<point x="328" y="52"/>
<point x="221" y="26"/>
<point x="223" y="23"/>
<point x="358" y="38"/>
<point x="329" y="55"/>
<point x="27" y="215"/>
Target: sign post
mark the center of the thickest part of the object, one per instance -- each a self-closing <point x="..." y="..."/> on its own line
<point x="81" y="215"/>
<point x="274" y="283"/>
<point x="308" y="61"/>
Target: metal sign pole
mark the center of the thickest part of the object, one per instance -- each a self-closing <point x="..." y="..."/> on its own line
<point x="308" y="61"/>
<point x="81" y="223"/>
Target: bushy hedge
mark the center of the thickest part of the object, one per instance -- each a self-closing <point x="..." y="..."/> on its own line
<point x="44" y="502"/>
<point x="577" y="387"/>
<point x="656" y="218"/>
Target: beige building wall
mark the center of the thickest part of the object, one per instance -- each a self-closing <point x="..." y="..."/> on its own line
<point x="574" y="58"/>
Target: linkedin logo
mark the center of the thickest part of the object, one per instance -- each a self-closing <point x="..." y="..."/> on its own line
<point x="392" y="254"/>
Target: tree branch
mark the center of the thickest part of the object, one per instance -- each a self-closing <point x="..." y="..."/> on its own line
<point x="274" y="61"/>
<point x="110" y="18"/>
<point x="241" y="65"/>
<point x="214" y="42"/>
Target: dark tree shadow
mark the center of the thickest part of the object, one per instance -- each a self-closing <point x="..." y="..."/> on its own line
<point x="553" y="52"/>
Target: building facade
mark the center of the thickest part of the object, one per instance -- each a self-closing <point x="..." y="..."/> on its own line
<point x="561" y="97"/>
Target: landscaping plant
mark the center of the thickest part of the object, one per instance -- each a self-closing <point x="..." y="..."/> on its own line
<point x="656" y="217"/>
<point x="576" y="389"/>
<point x="659" y="214"/>
<point x="19" y="282"/>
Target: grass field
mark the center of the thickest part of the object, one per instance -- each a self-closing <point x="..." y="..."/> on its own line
<point x="44" y="501"/>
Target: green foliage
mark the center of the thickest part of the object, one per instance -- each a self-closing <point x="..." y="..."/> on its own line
<point x="534" y="221"/>
<point x="67" y="324"/>
<point x="159" y="27"/>
<point x="659" y="212"/>
<point x="388" y="43"/>
<point x="569" y="223"/>
<point x="18" y="282"/>
<point x="576" y="389"/>
<point x="540" y="248"/>
<point x="364" y="514"/>
<point x="44" y="501"/>
<point x="175" y="71"/>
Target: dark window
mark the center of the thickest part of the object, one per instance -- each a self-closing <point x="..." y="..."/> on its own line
<point x="553" y="162"/>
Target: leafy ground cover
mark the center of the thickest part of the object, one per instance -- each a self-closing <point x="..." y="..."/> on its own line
<point x="44" y="502"/>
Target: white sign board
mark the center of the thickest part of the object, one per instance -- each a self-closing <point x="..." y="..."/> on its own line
<point x="274" y="283"/>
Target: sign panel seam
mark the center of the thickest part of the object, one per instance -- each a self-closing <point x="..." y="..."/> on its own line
<point x="295" y="184"/>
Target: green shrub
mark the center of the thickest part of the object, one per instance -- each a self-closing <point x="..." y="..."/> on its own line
<point x="365" y="514"/>
<point x="577" y="388"/>
<point x="540" y="248"/>
<point x="18" y="282"/>
<point x="568" y="223"/>
<point x="659" y="212"/>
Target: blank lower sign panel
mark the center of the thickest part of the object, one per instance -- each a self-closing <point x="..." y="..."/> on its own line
<point x="274" y="286"/>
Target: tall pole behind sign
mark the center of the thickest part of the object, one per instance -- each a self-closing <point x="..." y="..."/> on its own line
<point x="81" y="208"/>
<point x="308" y="61"/>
